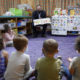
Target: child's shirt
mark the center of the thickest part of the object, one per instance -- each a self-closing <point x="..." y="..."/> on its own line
<point x="18" y="66"/>
<point x="48" y="69"/>
<point x="75" y="64"/>
<point x="8" y="36"/>
<point x="2" y="66"/>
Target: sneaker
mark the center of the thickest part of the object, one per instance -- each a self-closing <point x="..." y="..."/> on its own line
<point x="59" y="58"/>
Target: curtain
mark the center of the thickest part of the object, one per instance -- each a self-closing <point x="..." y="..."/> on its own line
<point x="6" y="4"/>
<point x="50" y="5"/>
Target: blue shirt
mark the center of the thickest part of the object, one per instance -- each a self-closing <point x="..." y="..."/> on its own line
<point x="2" y="66"/>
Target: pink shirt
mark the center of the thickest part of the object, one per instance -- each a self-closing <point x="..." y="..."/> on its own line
<point x="8" y="36"/>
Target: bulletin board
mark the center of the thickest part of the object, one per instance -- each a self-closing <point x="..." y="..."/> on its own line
<point x="62" y="24"/>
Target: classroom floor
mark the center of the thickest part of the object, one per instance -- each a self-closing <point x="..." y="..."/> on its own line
<point x="66" y="48"/>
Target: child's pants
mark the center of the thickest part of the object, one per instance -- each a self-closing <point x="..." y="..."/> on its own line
<point x="66" y="72"/>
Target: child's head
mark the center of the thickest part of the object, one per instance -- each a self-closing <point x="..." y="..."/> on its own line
<point x="7" y="28"/>
<point x="1" y="44"/>
<point x="50" y="46"/>
<point x="77" y="44"/>
<point x="20" y="43"/>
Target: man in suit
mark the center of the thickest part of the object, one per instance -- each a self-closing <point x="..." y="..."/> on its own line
<point x="38" y="14"/>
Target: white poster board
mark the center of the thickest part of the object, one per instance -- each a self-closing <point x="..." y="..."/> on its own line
<point x="73" y="23"/>
<point x="59" y="24"/>
<point x="42" y="21"/>
<point x="62" y="24"/>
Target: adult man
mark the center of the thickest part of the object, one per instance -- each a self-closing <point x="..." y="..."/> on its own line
<point x="38" y="14"/>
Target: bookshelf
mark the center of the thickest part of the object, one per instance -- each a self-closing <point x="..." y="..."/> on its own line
<point x="16" y="28"/>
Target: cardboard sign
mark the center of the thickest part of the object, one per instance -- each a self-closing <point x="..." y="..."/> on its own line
<point x="42" y="21"/>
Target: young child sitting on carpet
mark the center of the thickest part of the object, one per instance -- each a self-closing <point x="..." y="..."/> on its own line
<point x="48" y="67"/>
<point x="3" y="59"/>
<point x="19" y="62"/>
<point x="8" y="35"/>
<point x="75" y="62"/>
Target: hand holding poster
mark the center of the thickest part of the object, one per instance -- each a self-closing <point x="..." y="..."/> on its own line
<point x="42" y="21"/>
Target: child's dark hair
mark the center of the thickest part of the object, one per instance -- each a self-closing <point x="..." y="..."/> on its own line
<point x="1" y="44"/>
<point x="19" y="42"/>
<point x="50" y="46"/>
<point x="6" y="27"/>
<point x="77" y="44"/>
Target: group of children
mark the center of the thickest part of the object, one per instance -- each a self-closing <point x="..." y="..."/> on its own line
<point x="17" y="66"/>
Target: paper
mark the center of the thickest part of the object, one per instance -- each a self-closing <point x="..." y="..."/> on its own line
<point x="42" y="21"/>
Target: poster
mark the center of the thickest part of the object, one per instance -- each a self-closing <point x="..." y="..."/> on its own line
<point x="59" y="24"/>
<point x="42" y="21"/>
<point x="62" y="24"/>
<point x="72" y="12"/>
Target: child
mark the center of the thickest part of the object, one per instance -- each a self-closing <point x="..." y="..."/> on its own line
<point x="19" y="63"/>
<point x="3" y="59"/>
<point x="48" y="67"/>
<point x="8" y="35"/>
<point x="75" y="62"/>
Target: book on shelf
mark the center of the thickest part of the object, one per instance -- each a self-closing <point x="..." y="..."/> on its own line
<point x="16" y="31"/>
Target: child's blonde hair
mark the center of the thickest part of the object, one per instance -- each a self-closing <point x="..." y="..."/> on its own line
<point x="50" y="46"/>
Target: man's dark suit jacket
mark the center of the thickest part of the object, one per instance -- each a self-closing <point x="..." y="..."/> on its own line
<point x="35" y="14"/>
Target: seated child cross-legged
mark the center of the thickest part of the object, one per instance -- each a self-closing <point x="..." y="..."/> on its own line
<point x="48" y="67"/>
<point x="74" y="66"/>
<point x="8" y="35"/>
<point x="3" y="59"/>
<point x="19" y="62"/>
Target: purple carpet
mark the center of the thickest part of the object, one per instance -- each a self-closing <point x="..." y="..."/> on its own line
<point x="66" y="48"/>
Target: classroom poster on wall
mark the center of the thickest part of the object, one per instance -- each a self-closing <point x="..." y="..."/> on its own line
<point x="72" y="12"/>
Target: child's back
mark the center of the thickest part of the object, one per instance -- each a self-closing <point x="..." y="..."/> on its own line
<point x="75" y="62"/>
<point x="17" y="67"/>
<point x="19" y="63"/>
<point x="48" y="67"/>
